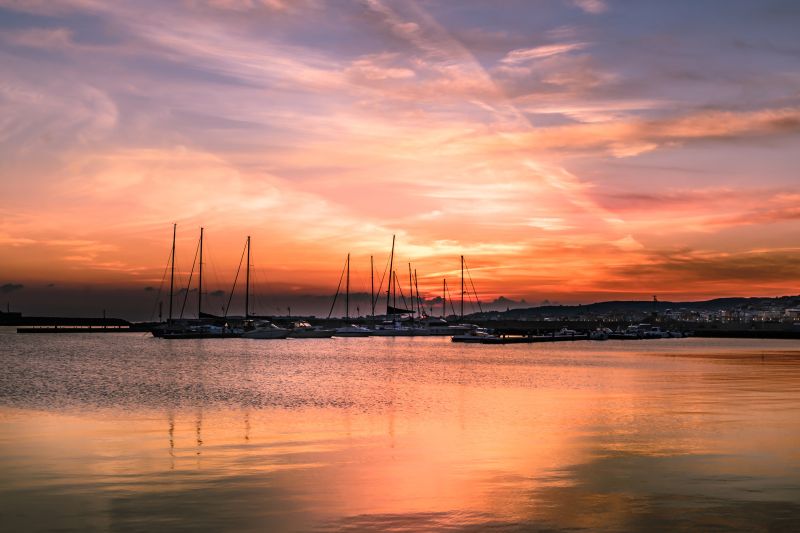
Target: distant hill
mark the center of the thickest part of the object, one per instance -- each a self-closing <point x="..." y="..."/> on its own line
<point x="646" y="306"/>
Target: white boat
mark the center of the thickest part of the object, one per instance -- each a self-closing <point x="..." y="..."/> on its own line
<point x="629" y="333"/>
<point x="352" y="331"/>
<point x="475" y="335"/>
<point x="566" y="332"/>
<point x="396" y="329"/>
<point x="438" y="326"/>
<point x="304" y="330"/>
<point x="655" y="333"/>
<point x="600" y="334"/>
<point x="264" y="330"/>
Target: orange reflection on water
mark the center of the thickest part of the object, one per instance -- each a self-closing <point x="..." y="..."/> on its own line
<point x="611" y="437"/>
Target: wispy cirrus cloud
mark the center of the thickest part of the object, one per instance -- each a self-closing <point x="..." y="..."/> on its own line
<point x="632" y="137"/>
<point x="524" y="55"/>
<point x="595" y="7"/>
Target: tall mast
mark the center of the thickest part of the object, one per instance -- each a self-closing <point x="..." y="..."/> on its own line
<point x="172" y="271"/>
<point x="200" y="278"/>
<point x="247" y="283"/>
<point x="444" y="297"/>
<point x="347" y="291"/>
<point x="411" y="293"/>
<point x="372" y="286"/>
<point x="389" y="285"/>
<point x="462" y="287"/>
<point x="419" y="300"/>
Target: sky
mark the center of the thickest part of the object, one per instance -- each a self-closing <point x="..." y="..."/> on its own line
<point x="572" y="150"/>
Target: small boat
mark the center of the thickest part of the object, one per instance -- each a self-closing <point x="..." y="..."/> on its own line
<point x="264" y="329"/>
<point x="304" y="330"/>
<point x="475" y="335"/>
<point x="202" y="331"/>
<point x="566" y="332"/>
<point x="352" y="331"/>
<point x="655" y="333"/>
<point x="629" y="333"/>
<point x="441" y="327"/>
<point x="395" y="329"/>
<point x="600" y="334"/>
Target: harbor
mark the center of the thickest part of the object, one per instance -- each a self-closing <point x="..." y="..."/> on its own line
<point x="411" y="313"/>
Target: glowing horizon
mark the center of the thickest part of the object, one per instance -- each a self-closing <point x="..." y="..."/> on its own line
<point x="575" y="150"/>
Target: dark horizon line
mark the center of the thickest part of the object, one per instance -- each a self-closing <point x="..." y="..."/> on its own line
<point x="607" y="303"/>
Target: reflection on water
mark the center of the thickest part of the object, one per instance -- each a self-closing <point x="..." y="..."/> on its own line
<point x="126" y="432"/>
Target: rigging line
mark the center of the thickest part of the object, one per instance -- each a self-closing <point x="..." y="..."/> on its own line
<point x="472" y="299"/>
<point x="473" y="287"/>
<point x="380" y="284"/>
<point x="420" y="301"/>
<point x="339" y="286"/>
<point x="450" y="300"/>
<point x="209" y="274"/>
<point x="235" y="279"/>
<point x="189" y="283"/>
<point x="160" y="287"/>
<point x="400" y="287"/>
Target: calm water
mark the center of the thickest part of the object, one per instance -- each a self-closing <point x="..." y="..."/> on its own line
<point x="125" y="432"/>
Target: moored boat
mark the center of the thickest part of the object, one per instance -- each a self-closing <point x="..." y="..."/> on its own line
<point x="304" y="330"/>
<point x="475" y="335"/>
<point x="600" y="334"/>
<point x="352" y="331"/>
<point x="264" y="329"/>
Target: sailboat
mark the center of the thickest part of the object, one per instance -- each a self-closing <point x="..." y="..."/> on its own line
<point x="167" y="326"/>
<point x="394" y="325"/>
<point x="351" y="330"/>
<point x="257" y="329"/>
<point x="205" y="326"/>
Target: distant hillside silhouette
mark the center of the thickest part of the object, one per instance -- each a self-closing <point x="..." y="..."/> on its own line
<point x="646" y="306"/>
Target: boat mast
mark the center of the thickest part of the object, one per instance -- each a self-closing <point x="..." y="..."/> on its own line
<point x="444" y="297"/>
<point x="420" y="307"/>
<point x="347" y="291"/>
<point x="247" y="283"/>
<point x="372" y="286"/>
<point x="200" y="279"/>
<point x="172" y="271"/>
<point x="389" y="285"/>
<point x="462" y="287"/>
<point x="411" y="294"/>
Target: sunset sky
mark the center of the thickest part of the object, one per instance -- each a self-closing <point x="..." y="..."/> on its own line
<point x="572" y="150"/>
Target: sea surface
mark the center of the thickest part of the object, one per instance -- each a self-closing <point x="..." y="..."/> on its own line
<point x="125" y="432"/>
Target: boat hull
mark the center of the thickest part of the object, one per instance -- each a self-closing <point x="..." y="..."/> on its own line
<point x="393" y="333"/>
<point x="312" y="334"/>
<point x="268" y="334"/>
<point x="199" y="335"/>
<point x="472" y="338"/>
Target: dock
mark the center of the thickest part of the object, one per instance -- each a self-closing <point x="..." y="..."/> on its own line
<point x="77" y="329"/>
<point x="514" y="339"/>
